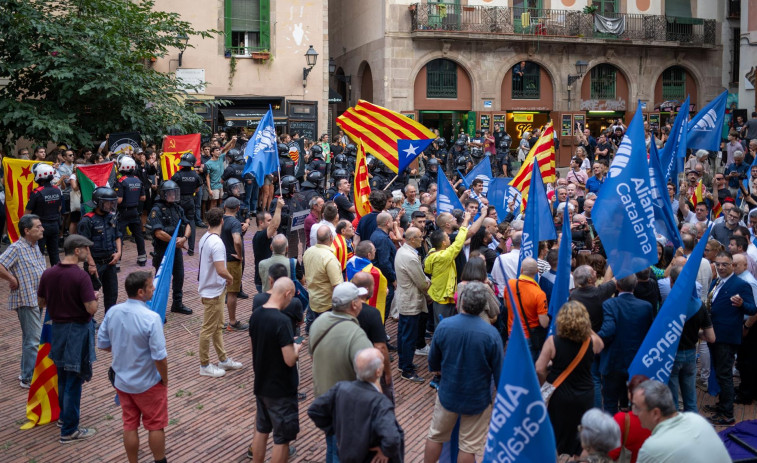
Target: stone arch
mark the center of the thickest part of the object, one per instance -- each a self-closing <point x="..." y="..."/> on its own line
<point x="548" y="87"/>
<point x="691" y="72"/>
<point x="464" y="102"/>
<point x="365" y="82"/>
<point x="624" y="86"/>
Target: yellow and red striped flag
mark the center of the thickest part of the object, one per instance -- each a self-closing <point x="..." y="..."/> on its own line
<point x="698" y="195"/>
<point x="378" y="298"/>
<point x="380" y="128"/>
<point x="717" y="210"/>
<point x="361" y="188"/>
<point x="18" y="181"/>
<point x="341" y="251"/>
<point x="42" y="403"/>
<point x="173" y="147"/>
<point x="544" y="153"/>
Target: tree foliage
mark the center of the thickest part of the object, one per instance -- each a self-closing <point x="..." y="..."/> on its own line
<point x="78" y="69"/>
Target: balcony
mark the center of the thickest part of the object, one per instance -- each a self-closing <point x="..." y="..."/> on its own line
<point x="440" y="20"/>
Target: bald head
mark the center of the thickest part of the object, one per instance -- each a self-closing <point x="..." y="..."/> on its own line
<point x="369" y="365"/>
<point x="412" y="233"/>
<point x="383" y="220"/>
<point x="279" y="244"/>
<point x="444" y="220"/>
<point x="281" y="292"/>
<point x="740" y="263"/>
<point x="323" y="235"/>
<point x="529" y="267"/>
<point x="364" y="280"/>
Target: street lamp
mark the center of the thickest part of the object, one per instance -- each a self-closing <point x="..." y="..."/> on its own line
<point x="311" y="56"/>
<point x="183" y="40"/>
<point x="580" y="69"/>
<point x="332" y="66"/>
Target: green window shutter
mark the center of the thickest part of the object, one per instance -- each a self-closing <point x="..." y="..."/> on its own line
<point x="227" y="23"/>
<point x="265" y="24"/>
<point x="674" y="84"/>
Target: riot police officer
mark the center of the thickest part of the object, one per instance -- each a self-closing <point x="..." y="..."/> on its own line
<point x="46" y="201"/>
<point x="131" y="191"/>
<point x="189" y="183"/>
<point x="100" y="226"/>
<point x="162" y="222"/>
<point x="311" y="187"/>
<point x="292" y="204"/>
<point x="430" y="176"/>
<point x="235" y="169"/>
<point x="317" y="162"/>
<point x="286" y="165"/>
<point x="381" y="177"/>
<point x="234" y="188"/>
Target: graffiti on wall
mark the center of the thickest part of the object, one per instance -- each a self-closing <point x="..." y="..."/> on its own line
<point x="618" y="104"/>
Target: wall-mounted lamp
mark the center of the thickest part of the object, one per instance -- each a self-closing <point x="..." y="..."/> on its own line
<point x="184" y="40"/>
<point x="580" y="69"/>
<point x="311" y="57"/>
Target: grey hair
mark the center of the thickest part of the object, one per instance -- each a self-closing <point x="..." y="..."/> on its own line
<point x="599" y="431"/>
<point x="561" y="207"/>
<point x="279" y="244"/>
<point x="592" y="196"/>
<point x="313" y="201"/>
<point x="517" y="225"/>
<point x="738" y="154"/>
<point x="753" y="213"/>
<point x="473" y="298"/>
<point x="517" y="238"/>
<point x="26" y="221"/>
<point x="702" y="153"/>
<point x="657" y="395"/>
<point x="369" y="371"/>
<point x="583" y="275"/>
<point x="342" y="308"/>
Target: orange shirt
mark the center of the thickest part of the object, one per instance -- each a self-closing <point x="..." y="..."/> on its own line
<point x="534" y="302"/>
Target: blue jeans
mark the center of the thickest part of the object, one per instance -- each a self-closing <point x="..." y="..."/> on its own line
<point x="251" y="196"/>
<point x="69" y="399"/>
<point x="407" y="335"/>
<point x="332" y="455"/>
<point x="31" y="327"/>
<point x="684" y="375"/>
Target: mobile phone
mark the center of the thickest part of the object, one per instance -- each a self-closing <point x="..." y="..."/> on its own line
<point x="299" y="339"/>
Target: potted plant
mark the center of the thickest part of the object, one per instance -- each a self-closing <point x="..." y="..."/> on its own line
<point x="261" y="55"/>
<point x="590" y="9"/>
<point x="227" y="53"/>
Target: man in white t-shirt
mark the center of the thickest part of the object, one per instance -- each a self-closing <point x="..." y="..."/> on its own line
<point x="212" y="280"/>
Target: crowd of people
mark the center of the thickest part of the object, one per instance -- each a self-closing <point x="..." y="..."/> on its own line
<point x="332" y="284"/>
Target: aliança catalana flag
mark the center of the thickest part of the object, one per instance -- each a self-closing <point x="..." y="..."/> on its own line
<point x="42" y="402"/>
<point x="91" y="176"/>
<point x="361" y="188"/>
<point x="378" y="298"/>
<point x="18" y="180"/>
<point x="173" y="147"/>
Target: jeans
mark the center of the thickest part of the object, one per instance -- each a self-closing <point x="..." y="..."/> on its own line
<point x="407" y="335"/>
<point x="332" y="454"/>
<point x="389" y="298"/>
<point x="310" y="317"/>
<point x="723" y="356"/>
<point x="704" y="361"/>
<point x="251" y="196"/>
<point x="212" y="328"/>
<point x="31" y="327"/>
<point x="684" y="376"/>
<point x="597" y="377"/>
<point x="445" y="310"/>
<point x="69" y="399"/>
<point x="420" y="341"/>
<point x="614" y="391"/>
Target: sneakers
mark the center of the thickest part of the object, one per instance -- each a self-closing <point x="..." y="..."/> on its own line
<point x="423" y="351"/>
<point x="212" y="371"/>
<point x="230" y="364"/>
<point x="191" y="252"/>
<point x="415" y="367"/>
<point x="413" y="378"/>
<point x="24" y="384"/>
<point x="722" y="420"/>
<point x="242" y="295"/>
<point x="434" y="383"/>
<point x="238" y="326"/>
<point x="79" y="434"/>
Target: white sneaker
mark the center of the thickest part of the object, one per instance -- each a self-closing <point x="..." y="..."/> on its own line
<point x="212" y="371"/>
<point x="423" y="351"/>
<point x="230" y="364"/>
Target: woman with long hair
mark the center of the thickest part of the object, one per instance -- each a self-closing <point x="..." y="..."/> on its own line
<point x="475" y="270"/>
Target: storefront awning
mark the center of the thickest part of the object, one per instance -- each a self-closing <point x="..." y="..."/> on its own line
<point x="240" y="117"/>
<point x="334" y="96"/>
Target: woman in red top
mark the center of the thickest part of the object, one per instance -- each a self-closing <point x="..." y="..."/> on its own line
<point x="632" y="434"/>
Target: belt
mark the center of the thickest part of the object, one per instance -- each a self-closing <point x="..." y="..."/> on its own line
<point x="102" y="260"/>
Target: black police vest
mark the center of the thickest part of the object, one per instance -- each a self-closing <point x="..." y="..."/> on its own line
<point x="46" y="201"/>
<point x="233" y="171"/>
<point x="188" y="181"/>
<point x="319" y="166"/>
<point x="168" y="217"/>
<point x="101" y="230"/>
<point x="286" y="165"/>
<point x="130" y="189"/>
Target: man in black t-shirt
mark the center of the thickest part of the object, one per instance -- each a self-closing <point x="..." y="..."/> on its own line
<point x="261" y="242"/>
<point x="342" y="200"/>
<point x="231" y="235"/>
<point x="274" y="360"/>
<point x="294" y="311"/>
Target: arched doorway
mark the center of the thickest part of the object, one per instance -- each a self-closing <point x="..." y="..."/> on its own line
<point x="604" y="97"/>
<point x="671" y="89"/>
<point x="527" y="98"/>
<point x="443" y="95"/>
<point x="366" y="82"/>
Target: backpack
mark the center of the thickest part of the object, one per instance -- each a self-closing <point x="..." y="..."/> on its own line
<point x="299" y="291"/>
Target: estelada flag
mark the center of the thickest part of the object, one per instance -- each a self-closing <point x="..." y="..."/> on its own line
<point x="361" y="188"/>
<point x="42" y="403"/>
<point x="378" y="298"/>
<point x="18" y="181"/>
<point x="91" y="176"/>
<point x="173" y="147"/>
<point x="380" y="128"/>
<point x="341" y="251"/>
<point x="544" y="152"/>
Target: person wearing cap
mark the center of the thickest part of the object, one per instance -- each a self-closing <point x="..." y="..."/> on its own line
<point x="335" y="339"/>
<point x="189" y="183"/>
<point x="71" y="307"/>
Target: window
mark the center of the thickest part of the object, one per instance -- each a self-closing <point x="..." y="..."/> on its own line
<point x="735" y="56"/>
<point x="603" y="82"/>
<point x="526" y="79"/>
<point x="674" y="84"/>
<point x="441" y="79"/>
<point x="606" y="7"/>
<point x="247" y="26"/>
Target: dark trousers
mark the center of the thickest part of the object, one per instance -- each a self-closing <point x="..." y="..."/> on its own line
<point x="130" y="218"/>
<point x="615" y="391"/>
<point x="310" y="317"/>
<point x="188" y="204"/>
<point x="747" y="365"/>
<point x="407" y="335"/>
<point x="420" y="340"/>
<point x="722" y="356"/>
<point x="178" y="272"/>
<point x="109" y="280"/>
<point x="69" y="400"/>
<point x="49" y="241"/>
<point x="198" y="205"/>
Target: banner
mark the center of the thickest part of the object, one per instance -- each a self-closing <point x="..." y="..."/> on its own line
<point x="42" y="402"/>
<point x="124" y="142"/>
<point x="499" y="194"/>
<point x="173" y="147"/>
<point x="544" y="153"/>
<point x="520" y="430"/>
<point x="657" y="353"/>
<point x="162" y="280"/>
<point x="561" y="288"/>
<point x="91" y="176"/>
<point x="261" y="154"/>
<point x="673" y="153"/>
<point x="361" y="187"/>
<point x="537" y="224"/>
<point x="482" y="170"/>
<point x="665" y="221"/>
<point x="18" y="181"/>
<point x="408" y="150"/>
<point x="446" y="198"/>
<point x="623" y="213"/>
<point x="705" y="128"/>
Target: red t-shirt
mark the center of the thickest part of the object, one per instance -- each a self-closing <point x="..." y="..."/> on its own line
<point x="636" y="435"/>
<point x="66" y="288"/>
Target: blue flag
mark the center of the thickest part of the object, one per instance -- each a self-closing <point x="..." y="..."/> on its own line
<point x="162" y="280"/>
<point x="261" y="154"/>
<point x="657" y="353"/>
<point x="663" y="210"/>
<point x="538" y="224"/>
<point x="520" y="429"/>
<point x="561" y="289"/>
<point x="408" y="150"/>
<point x="673" y="153"/>
<point x="499" y="195"/>
<point x="482" y="170"/>
<point x="446" y="198"/>
<point x="623" y="213"/>
<point x="705" y="128"/>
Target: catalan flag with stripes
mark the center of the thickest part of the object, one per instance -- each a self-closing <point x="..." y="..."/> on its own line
<point x="342" y="250"/>
<point x="42" y="403"/>
<point x="379" y="129"/>
<point x="717" y="210"/>
<point x="361" y="188"/>
<point x="18" y="181"/>
<point x="378" y="298"/>
<point x="544" y="153"/>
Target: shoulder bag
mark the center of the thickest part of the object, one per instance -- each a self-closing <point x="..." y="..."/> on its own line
<point x="547" y="389"/>
<point x="625" y="453"/>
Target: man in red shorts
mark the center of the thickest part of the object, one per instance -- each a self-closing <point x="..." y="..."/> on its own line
<point x="134" y="334"/>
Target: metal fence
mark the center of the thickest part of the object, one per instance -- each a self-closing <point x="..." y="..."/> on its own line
<point x="526" y="87"/>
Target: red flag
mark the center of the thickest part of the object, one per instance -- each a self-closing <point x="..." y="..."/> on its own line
<point x="173" y="147"/>
<point x="19" y="183"/>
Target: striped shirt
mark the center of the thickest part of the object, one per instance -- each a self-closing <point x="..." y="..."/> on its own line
<point x="24" y="261"/>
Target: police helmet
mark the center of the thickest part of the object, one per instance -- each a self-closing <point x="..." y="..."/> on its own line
<point x="314" y="177"/>
<point x="433" y="165"/>
<point x="340" y="160"/>
<point x="350" y="149"/>
<point x="371" y="162"/>
<point x="234" y="187"/>
<point x="340" y="174"/>
<point x="316" y="151"/>
<point x="169" y="191"/>
<point x="127" y="165"/>
<point x="43" y="173"/>
<point x="477" y="152"/>
<point x="288" y="183"/>
<point x="440" y="142"/>
<point x="100" y="196"/>
<point x="283" y="149"/>
<point x="187" y="160"/>
<point x="233" y="155"/>
<point x="460" y="142"/>
<point x="461" y="162"/>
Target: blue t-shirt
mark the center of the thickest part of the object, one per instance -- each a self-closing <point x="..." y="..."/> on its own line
<point x="593" y="185"/>
<point x="215" y="168"/>
<point x="367" y="225"/>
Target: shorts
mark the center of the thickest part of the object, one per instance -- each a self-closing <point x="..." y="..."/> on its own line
<point x="204" y="195"/>
<point x="268" y="180"/>
<point x="473" y="428"/>
<point x="215" y="194"/>
<point x="75" y="216"/>
<point x="281" y="416"/>
<point x="235" y="268"/>
<point x="151" y="405"/>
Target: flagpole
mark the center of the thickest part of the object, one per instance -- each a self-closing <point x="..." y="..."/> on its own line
<point x="390" y="183"/>
<point x="278" y="164"/>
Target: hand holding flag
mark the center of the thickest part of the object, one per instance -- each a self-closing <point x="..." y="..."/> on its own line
<point x="162" y="280"/>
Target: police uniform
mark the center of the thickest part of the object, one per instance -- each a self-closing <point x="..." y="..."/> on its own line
<point x="130" y="188"/>
<point x="189" y="181"/>
<point x="236" y="170"/>
<point x="103" y="231"/>
<point x="164" y="216"/>
<point x="46" y="202"/>
<point x="427" y="179"/>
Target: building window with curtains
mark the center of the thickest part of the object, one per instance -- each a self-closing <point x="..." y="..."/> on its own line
<point x="441" y="79"/>
<point x="526" y="77"/>
<point x="247" y="26"/>
<point x="603" y="82"/>
<point x="674" y="84"/>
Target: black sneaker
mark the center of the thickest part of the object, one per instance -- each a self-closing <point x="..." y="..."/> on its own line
<point x="712" y="409"/>
<point x="242" y="295"/>
<point x="190" y="252"/>
<point x="722" y="420"/>
<point x="301" y="396"/>
<point x="201" y="225"/>
<point x="238" y="326"/>
<point x="182" y="310"/>
<point x="413" y="378"/>
<point x="79" y="434"/>
<point x="415" y="367"/>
